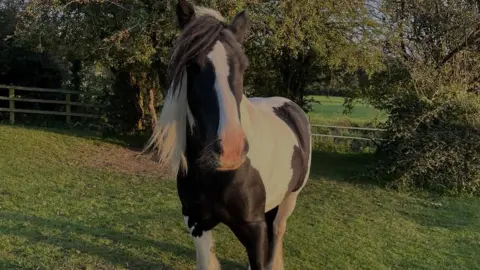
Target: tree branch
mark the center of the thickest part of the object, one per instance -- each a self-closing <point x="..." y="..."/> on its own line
<point x="469" y="40"/>
<point x="402" y="37"/>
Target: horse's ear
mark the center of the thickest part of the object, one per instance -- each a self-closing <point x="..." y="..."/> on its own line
<point x="185" y="13"/>
<point x="240" y="26"/>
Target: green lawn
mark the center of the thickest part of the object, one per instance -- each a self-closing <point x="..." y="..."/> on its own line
<point x="330" y="110"/>
<point x="69" y="202"/>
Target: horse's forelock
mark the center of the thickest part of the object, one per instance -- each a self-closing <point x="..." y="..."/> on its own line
<point x="203" y="11"/>
<point x="197" y="38"/>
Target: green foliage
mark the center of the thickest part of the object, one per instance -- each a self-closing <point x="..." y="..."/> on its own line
<point x="434" y="143"/>
<point x="122" y="47"/>
<point x="118" y="35"/>
<point x="20" y="65"/>
<point x="295" y="45"/>
<point x="429" y="93"/>
<point x="290" y="47"/>
<point x="432" y="131"/>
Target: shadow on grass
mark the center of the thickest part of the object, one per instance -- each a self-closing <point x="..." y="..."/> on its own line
<point x="114" y="255"/>
<point x="342" y="167"/>
<point x="4" y="264"/>
<point x="455" y="214"/>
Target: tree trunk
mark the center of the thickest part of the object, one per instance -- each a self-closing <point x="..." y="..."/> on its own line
<point x="151" y="107"/>
<point x="138" y="83"/>
<point x="76" y="77"/>
<point x="125" y="112"/>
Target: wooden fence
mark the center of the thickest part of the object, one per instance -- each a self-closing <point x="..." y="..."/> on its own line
<point x="68" y="109"/>
<point x="67" y="102"/>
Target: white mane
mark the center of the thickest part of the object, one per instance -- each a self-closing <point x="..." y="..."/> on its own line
<point x="169" y="135"/>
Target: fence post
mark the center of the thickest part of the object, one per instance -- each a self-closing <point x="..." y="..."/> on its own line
<point x="69" y="108"/>
<point x="12" y="106"/>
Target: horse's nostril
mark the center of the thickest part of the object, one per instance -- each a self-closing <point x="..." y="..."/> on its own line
<point x="246" y="147"/>
<point x="217" y="147"/>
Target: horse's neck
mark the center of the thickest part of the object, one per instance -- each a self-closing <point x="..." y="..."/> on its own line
<point x="250" y="117"/>
<point x="253" y="120"/>
<point x="248" y="112"/>
<point x="259" y="120"/>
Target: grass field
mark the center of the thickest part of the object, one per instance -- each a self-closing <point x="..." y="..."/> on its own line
<point x="330" y="110"/>
<point x="74" y="202"/>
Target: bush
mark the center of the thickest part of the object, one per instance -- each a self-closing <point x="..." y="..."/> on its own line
<point x="433" y="133"/>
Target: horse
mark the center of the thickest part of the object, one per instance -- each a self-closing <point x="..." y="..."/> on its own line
<point x="238" y="161"/>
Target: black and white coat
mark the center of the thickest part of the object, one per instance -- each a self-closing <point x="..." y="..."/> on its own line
<point x="239" y="161"/>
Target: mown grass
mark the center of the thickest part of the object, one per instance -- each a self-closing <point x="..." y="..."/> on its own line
<point x="57" y="212"/>
<point x="329" y="110"/>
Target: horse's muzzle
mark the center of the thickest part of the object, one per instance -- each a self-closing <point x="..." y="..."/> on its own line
<point x="232" y="150"/>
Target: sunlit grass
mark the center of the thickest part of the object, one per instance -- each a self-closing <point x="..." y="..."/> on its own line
<point x="57" y="212"/>
<point x="330" y="111"/>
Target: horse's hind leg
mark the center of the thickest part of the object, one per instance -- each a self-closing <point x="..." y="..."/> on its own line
<point x="279" y="227"/>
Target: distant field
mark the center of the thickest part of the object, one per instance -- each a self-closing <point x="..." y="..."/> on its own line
<point x="330" y="110"/>
<point x="76" y="202"/>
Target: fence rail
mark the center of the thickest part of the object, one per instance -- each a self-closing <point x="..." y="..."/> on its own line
<point x="68" y="109"/>
<point x="345" y="127"/>
<point x="347" y="137"/>
<point x="67" y="102"/>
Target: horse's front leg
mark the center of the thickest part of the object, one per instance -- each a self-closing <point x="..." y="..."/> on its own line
<point x="254" y="237"/>
<point x="204" y="246"/>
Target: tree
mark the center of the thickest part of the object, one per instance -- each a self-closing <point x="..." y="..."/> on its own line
<point x="290" y="44"/>
<point x="432" y="54"/>
<point x="130" y="41"/>
<point x="42" y="71"/>
<point x="293" y="42"/>
<point x="127" y="41"/>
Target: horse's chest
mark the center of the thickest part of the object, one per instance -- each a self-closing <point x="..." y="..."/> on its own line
<point x="198" y="197"/>
<point x="197" y="204"/>
<point x="227" y="198"/>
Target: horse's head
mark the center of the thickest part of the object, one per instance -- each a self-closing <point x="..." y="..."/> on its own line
<point x="207" y="69"/>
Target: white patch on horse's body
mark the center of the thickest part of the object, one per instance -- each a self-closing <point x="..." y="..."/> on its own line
<point x="267" y="104"/>
<point x="271" y="146"/>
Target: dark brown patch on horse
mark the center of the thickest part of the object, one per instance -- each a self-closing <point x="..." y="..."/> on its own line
<point x="270" y="219"/>
<point x="296" y="119"/>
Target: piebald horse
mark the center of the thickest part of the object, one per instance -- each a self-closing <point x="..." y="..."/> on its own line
<point x="238" y="161"/>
